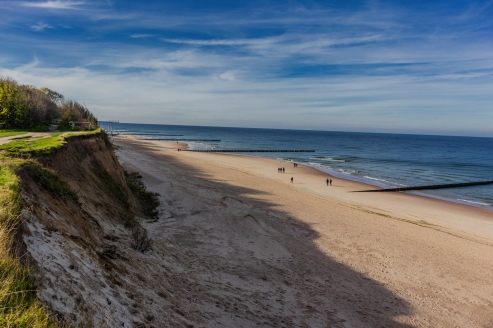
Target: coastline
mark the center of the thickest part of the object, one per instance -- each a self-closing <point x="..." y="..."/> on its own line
<point x="432" y="256"/>
<point x="431" y="209"/>
<point x="372" y="183"/>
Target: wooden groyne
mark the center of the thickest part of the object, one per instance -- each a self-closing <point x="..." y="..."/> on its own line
<point x="440" y="186"/>
<point x="155" y="133"/>
<point x="252" y="150"/>
<point x="174" y="139"/>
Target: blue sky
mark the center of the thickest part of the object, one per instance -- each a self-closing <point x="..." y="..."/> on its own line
<point x="380" y="66"/>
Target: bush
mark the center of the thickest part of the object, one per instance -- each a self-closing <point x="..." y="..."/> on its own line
<point x="140" y="239"/>
<point x="147" y="200"/>
<point x="50" y="181"/>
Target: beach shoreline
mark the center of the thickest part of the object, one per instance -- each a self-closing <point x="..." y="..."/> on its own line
<point x="482" y="214"/>
<point x="368" y="182"/>
<point x="430" y="257"/>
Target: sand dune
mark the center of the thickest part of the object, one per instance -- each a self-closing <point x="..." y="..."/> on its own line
<point x="268" y="252"/>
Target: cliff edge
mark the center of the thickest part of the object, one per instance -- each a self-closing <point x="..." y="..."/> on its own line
<point x="77" y="221"/>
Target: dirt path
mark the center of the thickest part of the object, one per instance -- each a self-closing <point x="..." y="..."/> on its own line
<point x="35" y="135"/>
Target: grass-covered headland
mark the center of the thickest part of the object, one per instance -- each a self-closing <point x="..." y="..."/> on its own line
<point x="49" y="159"/>
<point x="26" y="109"/>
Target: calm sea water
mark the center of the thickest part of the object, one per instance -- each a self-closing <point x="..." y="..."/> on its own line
<point x="385" y="160"/>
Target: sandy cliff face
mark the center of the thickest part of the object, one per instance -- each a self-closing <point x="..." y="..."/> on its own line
<point x="79" y="246"/>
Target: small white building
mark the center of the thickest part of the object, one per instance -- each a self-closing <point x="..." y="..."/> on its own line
<point x="81" y="125"/>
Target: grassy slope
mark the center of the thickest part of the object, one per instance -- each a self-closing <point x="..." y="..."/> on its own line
<point x="18" y="303"/>
<point x="41" y="146"/>
<point x="8" y="133"/>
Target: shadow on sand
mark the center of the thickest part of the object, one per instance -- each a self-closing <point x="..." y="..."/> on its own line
<point x="303" y="288"/>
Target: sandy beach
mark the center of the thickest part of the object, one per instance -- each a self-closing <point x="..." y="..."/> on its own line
<point x="250" y="248"/>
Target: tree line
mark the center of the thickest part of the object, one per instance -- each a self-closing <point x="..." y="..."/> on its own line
<point x="25" y="107"/>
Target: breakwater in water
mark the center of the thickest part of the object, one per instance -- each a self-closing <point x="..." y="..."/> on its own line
<point x="252" y="150"/>
<point x="441" y="186"/>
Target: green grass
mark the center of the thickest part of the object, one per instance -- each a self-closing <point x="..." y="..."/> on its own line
<point x="148" y="201"/>
<point x="13" y="132"/>
<point x="50" y="181"/>
<point x="23" y="147"/>
<point x="43" y="128"/>
<point x="111" y="185"/>
<point x="36" y="147"/>
<point x="8" y="133"/>
<point x="21" y="137"/>
<point x="87" y="133"/>
<point x="18" y="303"/>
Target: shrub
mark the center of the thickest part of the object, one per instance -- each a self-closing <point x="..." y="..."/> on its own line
<point x="50" y="181"/>
<point x="147" y="200"/>
<point x="140" y="239"/>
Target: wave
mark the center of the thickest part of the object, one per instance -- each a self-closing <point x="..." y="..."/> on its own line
<point x="478" y="203"/>
<point x="199" y="146"/>
<point x="326" y="167"/>
<point x="390" y="183"/>
<point x="328" y="159"/>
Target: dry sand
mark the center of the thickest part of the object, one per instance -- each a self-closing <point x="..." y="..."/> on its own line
<point x="256" y="250"/>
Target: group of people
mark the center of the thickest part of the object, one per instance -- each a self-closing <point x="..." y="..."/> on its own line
<point x="282" y="170"/>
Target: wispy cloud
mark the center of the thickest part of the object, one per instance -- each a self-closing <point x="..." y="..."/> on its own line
<point x="374" y="67"/>
<point x="140" y="36"/>
<point x="55" y="4"/>
<point x="40" y="27"/>
<point x="218" y="42"/>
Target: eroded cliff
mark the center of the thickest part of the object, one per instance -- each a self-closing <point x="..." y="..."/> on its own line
<point x="77" y="221"/>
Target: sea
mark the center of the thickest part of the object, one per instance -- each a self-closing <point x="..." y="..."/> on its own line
<point x="379" y="159"/>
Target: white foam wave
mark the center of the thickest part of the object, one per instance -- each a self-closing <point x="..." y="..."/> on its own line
<point x="478" y="203"/>
<point x="385" y="181"/>
<point x="199" y="146"/>
<point x="328" y="159"/>
<point x="318" y="165"/>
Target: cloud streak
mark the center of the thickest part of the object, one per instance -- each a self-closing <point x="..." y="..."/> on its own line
<point x="55" y="4"/>
<point x="374" y="68"/>
<point x="40" y="27"/>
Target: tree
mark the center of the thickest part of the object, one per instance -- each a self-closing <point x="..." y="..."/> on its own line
<point x="14" y="110"/>
<point x="53" y="95"/>
<point x="25" y="106"/>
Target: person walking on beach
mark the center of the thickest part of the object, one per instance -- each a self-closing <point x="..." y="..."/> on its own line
<point x="283" y="170"/>
<point x="327" y="182"/>
<point x="330" y="182"/>
<point x="291" y="179"/>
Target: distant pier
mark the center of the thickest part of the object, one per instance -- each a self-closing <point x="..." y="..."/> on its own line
<point x="440" y="186"/>
<point x="109" y="125"/>
<point x="252" y="150"/>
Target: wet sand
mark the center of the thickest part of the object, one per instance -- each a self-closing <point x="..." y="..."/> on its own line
<point x="330" y="256"/>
